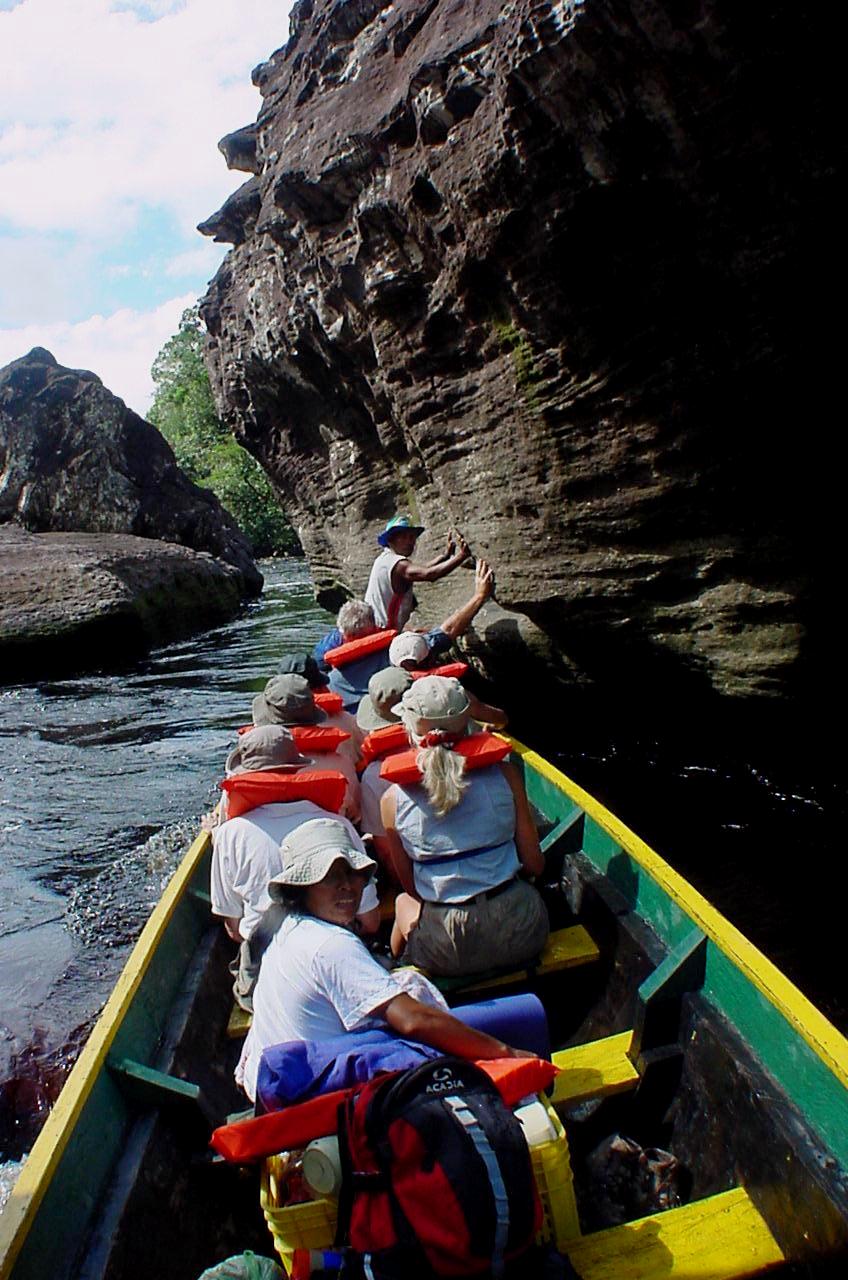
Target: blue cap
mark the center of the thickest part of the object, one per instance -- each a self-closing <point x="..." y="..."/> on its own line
<point x="397" y="525"/>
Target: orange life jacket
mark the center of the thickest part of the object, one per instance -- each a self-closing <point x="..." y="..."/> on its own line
<point x="246" y="791"/>
<point x="382" y="742"/>
<point x="328" y="701"/>
<point x="455" y="669"/>
<point x="478" y="750"/>
<point x="296" y="1126"/>
<point x="314" y="739"/>
<point x="353" y="650"/>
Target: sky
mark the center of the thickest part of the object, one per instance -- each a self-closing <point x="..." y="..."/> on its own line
<point x="110" y="115"/>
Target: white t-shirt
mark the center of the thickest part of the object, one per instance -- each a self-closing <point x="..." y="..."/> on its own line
<point x="317" y="980"/>
<point x="246" y="856"/>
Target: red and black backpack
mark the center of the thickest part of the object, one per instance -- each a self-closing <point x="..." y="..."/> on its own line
<point x="436" y="1175"/>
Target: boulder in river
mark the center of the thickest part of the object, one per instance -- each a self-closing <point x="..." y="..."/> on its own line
<point x="74" y="458"/>
<point x="71" y="602"/>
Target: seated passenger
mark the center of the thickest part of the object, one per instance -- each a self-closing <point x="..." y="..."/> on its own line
<point x="421" y="650"/>
<point x="318" y="980"/>
<point x="460" y="841"/>
<point x="306" y="666"/>
<point x="246" y="851"/>
<point x="376" y="711"/>
<point x="356" y="622"/>
<point x="288" y="700"/>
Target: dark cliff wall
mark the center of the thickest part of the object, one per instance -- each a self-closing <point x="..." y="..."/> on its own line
<point x="553" y="273"/>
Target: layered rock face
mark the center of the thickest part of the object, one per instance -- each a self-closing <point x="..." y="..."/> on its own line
<point x="551" y="272"/>
<point x="74" y="457"/>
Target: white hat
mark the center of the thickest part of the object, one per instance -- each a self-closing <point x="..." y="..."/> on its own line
<point x="311" y="849"/>
<point x="409" y="646"/>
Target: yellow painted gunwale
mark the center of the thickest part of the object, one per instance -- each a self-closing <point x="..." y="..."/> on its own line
<point x="36" y="1175"/>
<point x="813" y="1027"/>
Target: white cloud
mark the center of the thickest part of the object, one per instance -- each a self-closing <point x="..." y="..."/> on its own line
<point x="119" y="348"/>
<point x="204" y="260"/>
<point x="107" y="112"/>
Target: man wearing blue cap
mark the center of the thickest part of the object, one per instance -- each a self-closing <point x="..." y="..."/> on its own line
<point x="393" y="573"/>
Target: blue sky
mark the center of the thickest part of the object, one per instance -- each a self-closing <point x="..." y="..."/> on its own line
<point x="110" y="114"/>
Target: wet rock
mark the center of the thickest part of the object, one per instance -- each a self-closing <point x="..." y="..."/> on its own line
<point x="79" y="601"/>
<point x="551" y="272"/>
<point x="73" y="457"/>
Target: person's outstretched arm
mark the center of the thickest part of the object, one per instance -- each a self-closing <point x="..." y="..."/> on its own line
<point x="406" y="572"/>
<point x="416" y="1021"/>
<point x="484" y="585"/>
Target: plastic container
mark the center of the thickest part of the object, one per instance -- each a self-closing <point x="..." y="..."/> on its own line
<point x="310" y="1225"/>
<point x="552" y="1171"/>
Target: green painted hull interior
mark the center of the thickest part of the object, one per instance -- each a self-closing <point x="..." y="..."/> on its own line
<point x="796" y="1068"/>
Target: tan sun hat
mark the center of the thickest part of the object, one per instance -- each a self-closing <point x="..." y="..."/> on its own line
<point x="385" y="690"/>
<point x="311" y="849"/>
<point x="286" y="700"/>
<point x="269" y="747"/>
<point x="436" y="702"/>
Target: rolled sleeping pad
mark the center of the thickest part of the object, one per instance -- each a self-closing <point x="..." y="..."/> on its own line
<point x="520" y="1021"/>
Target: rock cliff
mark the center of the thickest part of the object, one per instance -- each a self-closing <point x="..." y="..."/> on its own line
<point x="552" y="271"/>
<point x="73" y="457"/>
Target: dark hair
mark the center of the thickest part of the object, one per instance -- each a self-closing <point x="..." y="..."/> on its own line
<point x="292" y="897"/>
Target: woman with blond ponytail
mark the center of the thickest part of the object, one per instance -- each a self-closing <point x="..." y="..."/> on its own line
<point x="462" y="844"/>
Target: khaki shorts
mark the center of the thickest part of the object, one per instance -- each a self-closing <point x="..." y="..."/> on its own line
<point x="485" y="933"/>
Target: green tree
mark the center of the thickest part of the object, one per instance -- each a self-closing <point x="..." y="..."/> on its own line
<point x="184" y="411"/>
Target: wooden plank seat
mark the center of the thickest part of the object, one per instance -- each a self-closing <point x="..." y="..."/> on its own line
<point x="565" y="949"/>
<point x="594" y="1070"/>
<point x="720" y="1238"/>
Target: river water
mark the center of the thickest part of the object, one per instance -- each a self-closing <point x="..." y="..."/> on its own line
<point x="105" y="777"/>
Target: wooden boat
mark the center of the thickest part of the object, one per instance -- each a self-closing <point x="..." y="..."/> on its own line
<point x="675" y="1027"/>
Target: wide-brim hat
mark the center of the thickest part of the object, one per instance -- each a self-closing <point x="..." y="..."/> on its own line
<point x="286" y="700"/>
<point x="270" y="746"/>
<point x="385" y="690"/>
<point x="399" y="524"/>
<point x="310" y="850"/>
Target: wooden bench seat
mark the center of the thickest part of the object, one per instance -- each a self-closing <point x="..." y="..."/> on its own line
<point x="720" y="1238"/>
<point x="594" y="1070"/>
<point x="565" y="949"/>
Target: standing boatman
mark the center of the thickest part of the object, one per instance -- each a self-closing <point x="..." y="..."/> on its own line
<point x="393" y="574"/>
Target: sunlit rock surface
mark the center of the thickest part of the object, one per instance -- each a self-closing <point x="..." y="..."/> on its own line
<point x="553" y="273"/>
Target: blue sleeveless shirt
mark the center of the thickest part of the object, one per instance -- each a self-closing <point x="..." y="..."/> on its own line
<point x="470" y="849"/>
